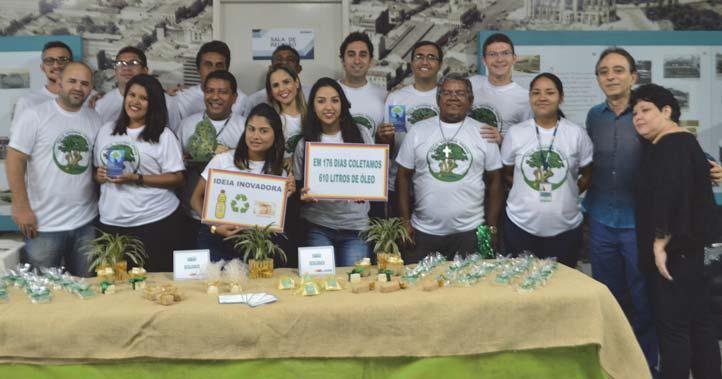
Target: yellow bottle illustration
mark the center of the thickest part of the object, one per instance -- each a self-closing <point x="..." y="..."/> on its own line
<point x="221" y="205"/>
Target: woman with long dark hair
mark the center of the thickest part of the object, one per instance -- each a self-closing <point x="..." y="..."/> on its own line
<point x="332" y="222"/>
<point x="547" y="161"/>
<point x="139" y="165"/>
<point x="259" y="151"/>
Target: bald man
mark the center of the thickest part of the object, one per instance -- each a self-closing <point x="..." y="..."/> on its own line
<point x="50" y="175"/>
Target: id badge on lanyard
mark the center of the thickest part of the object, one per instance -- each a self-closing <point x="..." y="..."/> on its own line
<point x="545" y="192"/>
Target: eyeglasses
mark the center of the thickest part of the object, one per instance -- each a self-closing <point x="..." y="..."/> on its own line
<point x="59" y="60"/>
<point x="447" y="93"/>
<point x="505" y="54"/>
<point x="429" y="57"/>
<point x="130" y="63"/>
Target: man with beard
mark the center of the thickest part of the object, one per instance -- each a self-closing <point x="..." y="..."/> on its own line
<point x="445" y="159"/>
<point x="50" y="175"/>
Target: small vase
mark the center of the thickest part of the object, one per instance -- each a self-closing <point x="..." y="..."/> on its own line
<point x="260" y="269"/>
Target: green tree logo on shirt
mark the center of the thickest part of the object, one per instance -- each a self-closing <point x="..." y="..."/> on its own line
<point x="291" y="143"/>
<point x="202" y="144"/>
<point x="365" y="121"/>
<point x="420" y="113"/>
<point x="449" y="161"/>
<point x="485" y="114"/>
<point x="71" y="153"/>
<point x="131" y="157"/>
<point x="532" y="168"/>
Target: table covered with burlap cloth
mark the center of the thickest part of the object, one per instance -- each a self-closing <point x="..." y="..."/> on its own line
<point x="571" y="310"/>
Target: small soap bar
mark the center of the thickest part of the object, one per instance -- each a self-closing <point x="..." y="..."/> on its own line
<point x="360" y="287"/>
<point x="382" y="278"/>
<point x="355" y="278"/>
<point x="390" y="287"/>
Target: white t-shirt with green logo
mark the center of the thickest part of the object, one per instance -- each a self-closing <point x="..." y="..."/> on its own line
<point x="572" y="149"/>
<point x="59" y="172"/>
<point x="418" y="106"/>
<point x="500" y="106"/>
<point x="129" y="205"/>
<point x="448" y="174"/>
<point x="292" y="133"/>
<point x="334" y="214"/>
<point x="367" y="105"/>
<point x="227" y="134"/>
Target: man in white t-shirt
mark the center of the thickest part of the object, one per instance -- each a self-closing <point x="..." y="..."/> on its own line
<point x="129" y="62"/>
<point x="284" y="55"/>
<point x="50" y="175"/>
<point x="367" y="100"/>
<point x="212" y="56"/>
<point x="445" y="160"/>
<point x="214" y="131"/>
<point x="410" y="104"/>
<point x="499" y="103"/>
<point x="55" y="56"/>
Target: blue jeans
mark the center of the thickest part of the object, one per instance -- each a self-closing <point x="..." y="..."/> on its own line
<point x="53" y="249"/>
<point x="613" y="252"/>
<point x="218" y="247"/>
<point x="564" y="246"/>
<point x="348" y="247"/>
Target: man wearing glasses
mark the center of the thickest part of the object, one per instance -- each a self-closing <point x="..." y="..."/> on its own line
<point x="283" y="55"/>
<point x="445" y="160"/>
<point x="129" y="62"/>
<point x="55" y="56"/>
<point x="498" y="102"/>
<point x="410" y="104"/>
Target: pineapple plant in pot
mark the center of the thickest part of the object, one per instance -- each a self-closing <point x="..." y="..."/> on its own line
<point x="386" y="235"/>
<point x="112" y="251"/>
<point x="257" y="246"/>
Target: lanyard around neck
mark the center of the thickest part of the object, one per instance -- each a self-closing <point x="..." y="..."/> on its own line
<point x="545" y="157"/>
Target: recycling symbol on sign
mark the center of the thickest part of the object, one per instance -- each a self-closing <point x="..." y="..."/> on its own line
<point x="240" y="204"/>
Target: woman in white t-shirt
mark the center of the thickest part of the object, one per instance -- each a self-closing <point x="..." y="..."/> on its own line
<point x="332" y="222"/>
<point x="139" y="165"/>
<point x="259" y="151"/>
<point x="283" y="88"/>
<point x="548" y="161"/>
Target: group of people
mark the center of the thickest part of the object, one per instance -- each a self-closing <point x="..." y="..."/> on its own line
<point x="458" y="145"/>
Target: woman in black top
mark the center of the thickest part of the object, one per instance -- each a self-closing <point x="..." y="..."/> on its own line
<point x="674" y="201"/>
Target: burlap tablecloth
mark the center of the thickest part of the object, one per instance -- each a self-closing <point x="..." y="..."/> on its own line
<point x="572" y="310"/>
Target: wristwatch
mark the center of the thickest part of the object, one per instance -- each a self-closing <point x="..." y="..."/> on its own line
<point x="492" y="229"/>
<point x="213" y="229"/>
<point x="139" y="181"/>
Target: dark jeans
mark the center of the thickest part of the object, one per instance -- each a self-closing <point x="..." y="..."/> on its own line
<point x="160" y="239"/>
<point x="615" y="262"/>
<point x="463" y="243"/>
<point x="564" y="246"/>
<point x="682" y="307"/>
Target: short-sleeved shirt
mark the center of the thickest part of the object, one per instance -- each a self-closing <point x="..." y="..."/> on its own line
<point x="225" y="161"/>
<point x="59" y="172"/>
<point x="334" y="214"/>
<point x="418" y="106"/>
<point x="127" y="204"/>
<point x="292" y="133"/>
<point x="571" y="149"/>
<point x="35" y="98"/>
<point x="367" y="105"/>
<point x="448" y="174"/>
<point x="499" y="106"/>
<point x="618" y="148"/>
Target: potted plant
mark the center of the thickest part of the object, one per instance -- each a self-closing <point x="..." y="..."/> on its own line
<point x="257" y="244"/>
<point x="386" y="234"/>
<point x="111" y="251"/>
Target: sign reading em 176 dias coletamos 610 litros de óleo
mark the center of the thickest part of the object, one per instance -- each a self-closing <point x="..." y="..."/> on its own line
<point x="244" y="199"/>
<point x="346" y="171"/>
